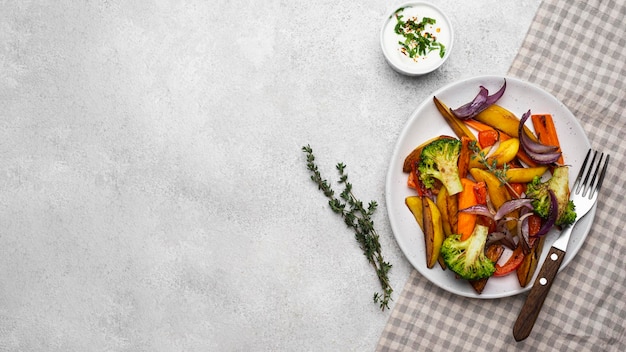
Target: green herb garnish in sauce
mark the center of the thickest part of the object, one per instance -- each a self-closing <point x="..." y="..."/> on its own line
<point x="417" y="40"/>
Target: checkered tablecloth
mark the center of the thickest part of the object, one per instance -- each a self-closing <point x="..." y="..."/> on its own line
<point x="576" y="50"/>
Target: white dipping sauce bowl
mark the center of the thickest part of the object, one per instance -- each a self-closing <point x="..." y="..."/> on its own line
<point x="422" y="65"/>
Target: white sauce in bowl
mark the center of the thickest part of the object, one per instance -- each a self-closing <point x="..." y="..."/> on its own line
<point x="419" y="65"/>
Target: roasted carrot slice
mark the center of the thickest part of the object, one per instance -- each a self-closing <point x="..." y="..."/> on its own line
<point x="477" y="125"/>
<point x="466" y="198"/>
<point x="522" y="156"/>
<point x="546" y="132"/>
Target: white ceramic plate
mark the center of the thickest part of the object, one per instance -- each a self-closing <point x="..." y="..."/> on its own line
<point x="426" y="122"/>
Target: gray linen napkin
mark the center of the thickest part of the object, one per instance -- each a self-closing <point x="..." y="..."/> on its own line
<point x="576" y="50"/>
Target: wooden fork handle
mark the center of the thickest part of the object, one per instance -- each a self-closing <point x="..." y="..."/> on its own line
<point x="531" y="308"/>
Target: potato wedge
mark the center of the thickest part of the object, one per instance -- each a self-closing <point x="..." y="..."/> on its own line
<point x="502" y="119"/>
<point x="527" y="269"/>
<point x="428" y="218"/>
<point x="447" y="210"/>
<point x="415" y="154"/>
<point x="507" y="151"/>
<point x="414" y="203"/>
<point x="458" y="126"/>
<point x="433" y="231"/>
<point x="525" y="174"/>
<point x="465" y="155"/>
<point x="453" y="212"/>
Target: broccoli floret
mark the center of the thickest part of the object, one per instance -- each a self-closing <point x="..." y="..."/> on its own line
<point x="569" y="215"/>
<point x="559" y="184"/>
<point x="467" y="258"/>
<point x="438" y="160"/>
<point x="538" y="191"/>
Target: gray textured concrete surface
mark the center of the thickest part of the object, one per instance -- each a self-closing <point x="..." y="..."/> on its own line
<point x="153" y="195"/>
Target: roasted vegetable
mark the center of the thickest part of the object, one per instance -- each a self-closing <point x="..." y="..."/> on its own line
<point x="542" y="154"/>
<point x="433" y="231"/>
<point x="546" y="132"/>
<point x="414" y="156"/>
<point x="482" y="101"/>
<point x="467" y="258"/>
<point x="466" y="222"/>
<point x="504" y="120"/>
<point x="526" y="270"/>
<point x="459" y="128"/>
<point x="504" y="153"/>
<point x="538" y="190"/>
<point x="489" y="137"/>
<point x="511" y="265"/>
<point x="438" y="161"/>
<point x="448" y="206"/>
<point x="493" y="252"/>
<point x="497" y="192"/>
<point x="415" y="205"/>
<point x="525" y="174"/>
<point x="465" y="156"/>
<point x="428" y="218"/>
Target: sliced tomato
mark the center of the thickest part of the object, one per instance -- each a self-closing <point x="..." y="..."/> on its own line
<point x="412" y="181"/>
<point x="487" y="138"/>
<point x="519" y="188"/>
<point x="516" y="259"/>
<point x="480" y="192"/>
<point x="534" y="225"/>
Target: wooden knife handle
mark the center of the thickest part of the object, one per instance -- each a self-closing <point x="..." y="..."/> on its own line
<point x="539" y="291"/>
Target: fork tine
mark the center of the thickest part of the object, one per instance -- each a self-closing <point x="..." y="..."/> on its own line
<point x="596" y="172"/>
<point x="586" y="185"/>
<point x="601" y="178"/>
<point x="577" y="183"/>
<point x="592" y="186"/>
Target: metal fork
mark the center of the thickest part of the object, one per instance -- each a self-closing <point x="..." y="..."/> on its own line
<point x="584" y="195"/>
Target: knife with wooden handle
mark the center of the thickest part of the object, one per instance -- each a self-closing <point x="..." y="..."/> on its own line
<point x="531" y="308"/>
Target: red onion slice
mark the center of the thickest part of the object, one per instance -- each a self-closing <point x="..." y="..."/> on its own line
<point x="478" y="209"/>
<point x="492" y="99"/>
<point x="544" y="159"/>
<point x="523" y="233"/>
<point x="529" y="143"/>
<point x="472" y="108"/>
<point x="482" y="101"/>
<point x="505" y="238"/>
<point x="493" y="238"/>
<point x="538" y="152"/>
<point x="535" y="147"/>
<point x="511" y="205"/>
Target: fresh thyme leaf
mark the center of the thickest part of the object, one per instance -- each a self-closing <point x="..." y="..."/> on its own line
<point x="500" y="174"/>
<point x="359" y="219"/>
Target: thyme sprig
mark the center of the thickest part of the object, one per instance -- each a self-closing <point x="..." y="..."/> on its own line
<point x="491" y="166"/>
<point x="357" y="217"/>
